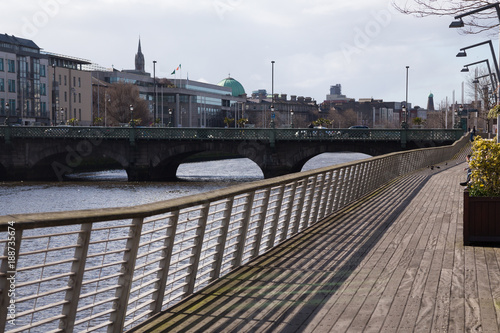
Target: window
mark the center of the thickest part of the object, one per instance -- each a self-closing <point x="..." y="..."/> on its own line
<point x="12" y="85"/>
<point x="2" y="85"/>
<point x="74" y="81"/>
<point x="43" y="72"/>
<point x="12" y="65"/>
<point x="59" y="79"/>
<point x="79" y="82"/>
<point x="2" y="106"/>
<point x="1" y="65"/>
<point x="79" y="97"/>
<point x="65" y="80"/>
<point x="43" y="89"/>
<point x="74" y="98"/>
<point x="65" y="96"/>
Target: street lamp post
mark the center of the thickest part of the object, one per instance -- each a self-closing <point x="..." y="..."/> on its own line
<point x="131" y="115"/>
<point x="7" y="112"/>
<point x="154" y="102"/>
<point x="169" y="118"/>
<point x="493" y="83"/>
<point x="291" y="118"/>
<point x="272" y="95"/>
<point x="406" y="100"/>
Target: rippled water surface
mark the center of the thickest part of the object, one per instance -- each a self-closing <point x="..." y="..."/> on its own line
<point x="111" y="188"/>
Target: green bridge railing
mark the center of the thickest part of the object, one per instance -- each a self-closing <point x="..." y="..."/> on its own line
<point x="271" y="135"/>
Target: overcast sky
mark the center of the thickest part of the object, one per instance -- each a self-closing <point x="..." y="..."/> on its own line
<point x="364" y="45"/>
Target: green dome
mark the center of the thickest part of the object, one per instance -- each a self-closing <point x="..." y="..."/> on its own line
<point x="431" y="95"/>
<point x="237" y="88"/>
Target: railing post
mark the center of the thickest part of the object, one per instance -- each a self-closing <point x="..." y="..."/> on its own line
<point x="327" y="180"/>
<point x="316" y="199"/>
<point x="221" y="241"/>
<point x="310" y="201"/>
<point x="300" y="207"/>
<point x="125" y="281"/>
<point x="261" y="219"/>
<point x="69" y="309"/>
<point x="332" y="189"/>
<point x="131" y="135"/>
<point x="164" y="265"/>
<point x="288" y="212"/>
<point x="195" y="259"/>
<point x="243" y="232"/>
<point x="276" y="218"/>
<point x="8" y="275"/>
<point x="7" y="134"/>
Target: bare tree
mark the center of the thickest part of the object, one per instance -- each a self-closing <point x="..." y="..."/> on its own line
<point x="486" y="20"/>
<point x="122" y="96"/>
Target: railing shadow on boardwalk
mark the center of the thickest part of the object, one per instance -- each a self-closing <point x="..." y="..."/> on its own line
<point x="314" y="265"/>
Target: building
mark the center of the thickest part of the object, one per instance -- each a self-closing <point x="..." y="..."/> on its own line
<point x="24" y="82"/>
<point x="71" y="87"/>
<point x="294" y="111"/>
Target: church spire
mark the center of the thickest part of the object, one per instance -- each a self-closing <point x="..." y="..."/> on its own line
<point x="139" y="59"/>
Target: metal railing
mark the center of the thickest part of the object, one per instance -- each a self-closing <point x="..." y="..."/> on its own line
<point x="147" y="133"/>
<point x="110" y="269"/>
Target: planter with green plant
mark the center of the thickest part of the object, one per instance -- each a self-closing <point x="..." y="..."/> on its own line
<point x="482" y="197"/>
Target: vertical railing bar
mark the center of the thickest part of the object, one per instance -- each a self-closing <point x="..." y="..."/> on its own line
<point x="342" y="194"/>
<point x="122" y="293"/>
<point x="360" y="181"/>
<point x="164" y="264"/>
<point x="317" y="194"/>
<point x="243" y="231"/>
<point x="275" y="218"/>
<point x="288" y="213"/>
<point x="8" y="270"/>
<point x="300" y="206"/>
<point x="220" y="248"/>
<point x="196" y="251"/>
<point x="69" y="310"/>
<point x="332" y="191"/>
<point x="326" y="195"/>
<point x="338" y="189"/>
<point x="261" y="219"/>
<point x="310" y="202"/>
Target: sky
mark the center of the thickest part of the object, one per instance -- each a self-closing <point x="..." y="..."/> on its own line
<point x="364" y="45"/>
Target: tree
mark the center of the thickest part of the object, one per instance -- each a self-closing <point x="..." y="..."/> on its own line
<point x="122" y="96"/>
<point x="486" y="20"/>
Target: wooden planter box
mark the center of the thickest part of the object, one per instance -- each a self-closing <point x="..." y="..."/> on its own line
<point x="481" y="220"/>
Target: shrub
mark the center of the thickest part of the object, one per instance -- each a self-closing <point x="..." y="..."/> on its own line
<point x="485" y="166"/>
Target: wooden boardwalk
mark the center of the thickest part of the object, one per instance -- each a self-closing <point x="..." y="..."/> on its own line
<point x="392" y="262"/>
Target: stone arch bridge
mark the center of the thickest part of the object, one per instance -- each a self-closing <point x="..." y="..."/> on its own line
<point x="154" y="154"/>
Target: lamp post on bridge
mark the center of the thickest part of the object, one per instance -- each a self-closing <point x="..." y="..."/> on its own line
<point x="272" y="125"/>
<point x="7" y="111"/>
<point x="131" y="115"/>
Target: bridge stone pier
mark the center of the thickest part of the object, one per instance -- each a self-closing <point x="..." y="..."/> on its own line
<point x="154" y="154"/>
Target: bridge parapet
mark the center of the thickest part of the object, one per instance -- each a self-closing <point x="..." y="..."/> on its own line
<point x="147" y="133"/>
<point x="113" y="268"/>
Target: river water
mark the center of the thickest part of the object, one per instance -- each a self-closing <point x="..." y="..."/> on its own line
<point x="111" y="188"/>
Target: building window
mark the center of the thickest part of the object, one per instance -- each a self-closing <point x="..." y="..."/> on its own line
<point x="59" y="79"/>
<point x="74" y="81"/>
<point x="74" y="98"/>
<point x="43" y="72"/>
<point x="12" y="65"/>
<point x="2" y="85"/>
<point x="79" y="97"/>
<point x="65" y="96"/>
<point x="12" y="107"/>
<point x="2" y="106"/>
<point x="1" y="65"/>
<point x="80" y="114"/>
<point x="79" y="82"/>
<point x="43" y="89"/>
<point x="44" y="109"/>
<point x="65" y="80"/>
<point x="12" y="85"/>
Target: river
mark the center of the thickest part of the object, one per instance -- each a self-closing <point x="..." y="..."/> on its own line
<point x="111" y="189"/>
